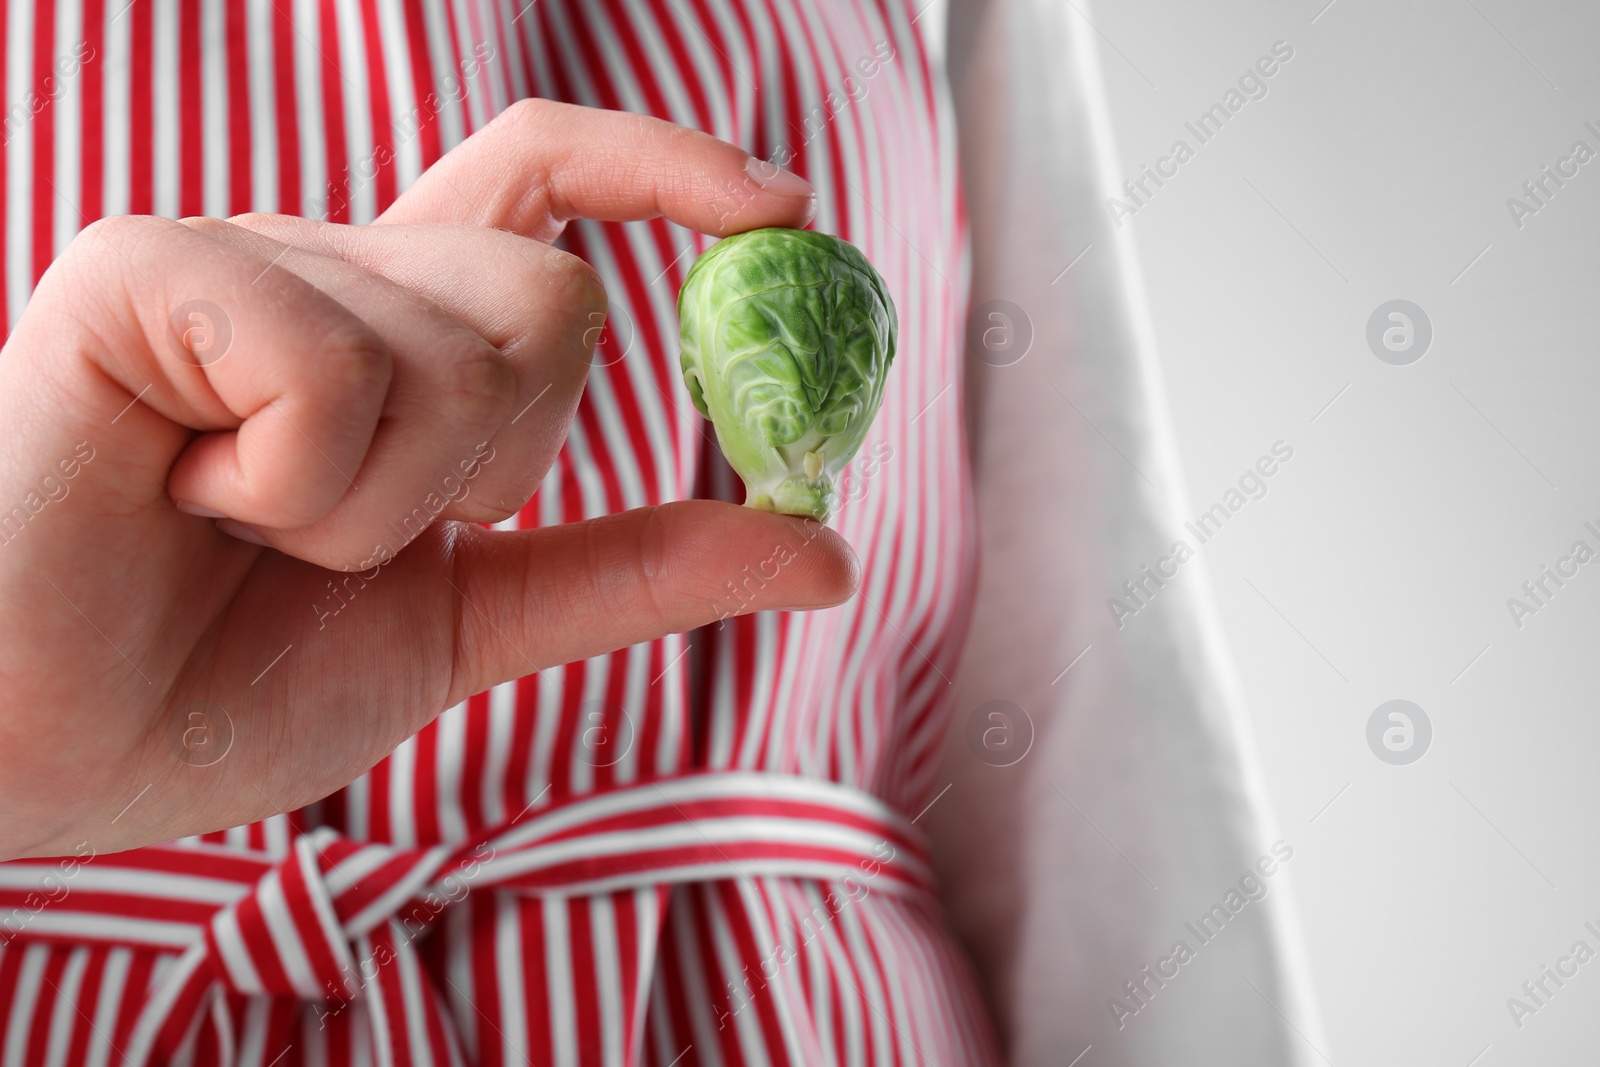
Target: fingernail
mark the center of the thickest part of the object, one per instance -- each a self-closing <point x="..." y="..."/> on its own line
<point x="235" y="528"/>
<point x="774" y="179"/>
<point x="190" y="508"/>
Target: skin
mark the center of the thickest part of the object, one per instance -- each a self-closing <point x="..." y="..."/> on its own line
<point x="370" y="369"/>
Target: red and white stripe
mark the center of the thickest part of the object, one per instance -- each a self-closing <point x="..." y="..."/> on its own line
<point x="680" y="904"/>
<point x="336" y="920"/>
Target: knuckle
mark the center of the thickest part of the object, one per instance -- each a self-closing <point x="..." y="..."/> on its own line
<point x="125" y="233"/>
<point x="88" y="283"/>
<point x="478" y="377"/>
<point x="255" y="220"/>
<point x="651" y="549"/>
<point x="674" y="135"/>
<point x="134" y="227"/>
<point x="286" y="228"/>
<point x="626" y="576"/>
<point x="205" y="224"/>
<point x="651" y="126"/>
<point x="355" y="360"/>
<point x="529" y="112"/>
<point x="574" y="307"/>
<point x="649" y="559"/>
<point x="588" y="288"/>
<point x="579" y="284"/>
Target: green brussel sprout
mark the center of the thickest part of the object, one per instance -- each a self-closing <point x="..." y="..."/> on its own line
<point x="787" y="339"/>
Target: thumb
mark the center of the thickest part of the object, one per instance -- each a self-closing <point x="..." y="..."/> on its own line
<point x="531" y="599"/>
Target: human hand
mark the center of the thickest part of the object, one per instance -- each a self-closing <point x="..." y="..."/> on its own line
<point x="385" y="388"/>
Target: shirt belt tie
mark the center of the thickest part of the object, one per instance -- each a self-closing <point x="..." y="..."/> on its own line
<point x="338" y="919"/>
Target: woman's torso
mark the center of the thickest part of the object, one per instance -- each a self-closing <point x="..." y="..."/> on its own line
<point x="328" y="109"/>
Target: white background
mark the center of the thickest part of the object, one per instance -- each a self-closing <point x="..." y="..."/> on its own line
<point x="1379" y="564"/>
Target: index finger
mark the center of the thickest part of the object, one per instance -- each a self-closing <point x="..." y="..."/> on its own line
<point x="542" y="163"/>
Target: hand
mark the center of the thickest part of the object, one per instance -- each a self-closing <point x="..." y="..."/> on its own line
<point x="220" y="431"/>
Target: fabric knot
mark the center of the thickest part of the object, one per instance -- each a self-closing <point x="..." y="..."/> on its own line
<point x="335" y="920"/>
<point x="291" y="934"/>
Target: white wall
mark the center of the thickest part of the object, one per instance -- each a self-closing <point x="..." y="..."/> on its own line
<point x="1379" y="563"/>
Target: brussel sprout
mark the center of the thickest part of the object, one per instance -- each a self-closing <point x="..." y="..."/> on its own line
<point x="787" y="339"/>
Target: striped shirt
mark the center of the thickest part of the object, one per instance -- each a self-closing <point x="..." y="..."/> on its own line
<point x="697" y="850"/>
